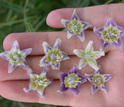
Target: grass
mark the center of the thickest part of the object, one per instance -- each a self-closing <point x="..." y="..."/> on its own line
<point x="30" y="16"/>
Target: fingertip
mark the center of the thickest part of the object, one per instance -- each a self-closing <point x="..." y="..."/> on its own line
<point x="7" y="43"/>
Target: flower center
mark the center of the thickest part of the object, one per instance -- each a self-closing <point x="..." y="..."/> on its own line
<point x="98" y="80"/>
<point x="110" y="34"/>
<point x="41" y="82"/>
<point x="15" y="58"/>
<point x="75" y="26"/>
<point x="54" y="56"/>
<point x="72" y="80"/>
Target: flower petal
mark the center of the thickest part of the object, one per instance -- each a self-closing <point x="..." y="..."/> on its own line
<point x="56" y="66"/>
<point x="4" y="55"/>
<point x="40" y="91"/>
<point x="119" y="44"/>
<point x="93" y="64"/>
<point x="107" y="77"/>
<point x="89" y="77"/>
<point x="69" y="35"/>
<point x="25" y="65"/>
<point x="75" y="90"/>
<point x="98" y="30"/>
<point x="104" y="88"/>
<point x="27" y="51"/>
<point x="11" y="68"/>
<point x="94" y="89"/>
<point x="86" y="25"/>
<point x="82" y="63"/>
<point x="110" y="21"/>
<point x="79" y="53"/>
<point x="15" y="46"/>
<point x="62" y="76"/>
<point x="102" y="45"/>
<point x="43" y="62"/>
<point x="98" y="54"/>
<point x="89" y="47"/>
<point x="46" y="47"/>
<point x="57" y="43"/>
<point x="65" y="56"/>
<point x="74" y="69"/>
<point x="81" y="36"/>
<point x="63" y="88"/>
<point x="74" y="15"/>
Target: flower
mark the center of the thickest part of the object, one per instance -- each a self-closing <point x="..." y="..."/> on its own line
<point x="53" y="55"/>
<point x="88" y="56"/>
<point x="37" y="82"/>
<point x="98" y="81"/>
<point x="70" y="81"/>
<point x="16" y="57"/>
<point x="75" y="26"/>
<point x="110" y="34"/>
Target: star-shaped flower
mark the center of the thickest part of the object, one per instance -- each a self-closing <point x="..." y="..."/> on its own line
<point x="70" y="81"/>
<point x="98" y="81"/>
<point x="110" y="34"/>
<point x="16" y="57"/>
<point x="75" y="26"/>
<point x="88" y="56"/>
<point x="53" y="55"/>
<point x="38" y="82"/>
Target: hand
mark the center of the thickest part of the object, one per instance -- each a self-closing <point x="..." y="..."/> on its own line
<point x="11" y="85"/>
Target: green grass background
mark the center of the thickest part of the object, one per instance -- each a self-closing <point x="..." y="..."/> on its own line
<point x="30" y="16"/>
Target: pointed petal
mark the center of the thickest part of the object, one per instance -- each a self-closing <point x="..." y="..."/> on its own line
<point x="69" y="35"/>
<point x="81" y="36"/>
<point x="46" y="47"/>
<point x="65" y="57"/>
<point x="43" y="62"/>
<point x="94" y="89"/>
<point x="98" y="54"/>
<point x="107" y="77"/>
<point x="102" y="45"/>
<point x="45" y="70"/>
<point x="4" y="55"/>
<point x="119" y="44"/>
<point x="63" y="88"/>
<point x="15" y="45"/>
<point x="11" y="68"/>
<point x="98" y="71"/>
<point x="82" y="63"/>
<point x="27" y="51"/>
<point x="89" y="77"/>
<point x="110" y="21"/>
<point x="93" y="64"/>
<point x="62" y="76"/>
<point x="57" y="43"/>
<point x="64" y="22"/>
<point x="104" y="88"/>
<point x="25" y="66"/>
<point x="89" y="47"/>
<point x="74" y="69"/>
<point x="79" y="53"/>
<point x="86" y="25"/>
<point x="40" y="91"/>
<point x="83" y="78"/>
<point x="98" y="30"/>
<point x="56" y="67"/>
<point x="75" y="90"/>
<point x="74" y="15"/>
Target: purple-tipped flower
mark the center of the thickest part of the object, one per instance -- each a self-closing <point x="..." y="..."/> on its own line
<point x="88" y="56"/>
<point x="70" y="81"/>
<point x="110" y="34"/>
<point x="16" y="57"/>
<point x="75" y="26"/>
<point x="38" y="82"/>
<point x="53" y="55"/>
<point x="98" y="81"/>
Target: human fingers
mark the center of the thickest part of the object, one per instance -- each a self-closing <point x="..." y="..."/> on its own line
<point x="35" y="40"/>
<point x="95" y="15"/>
<point x="16" y="93"/>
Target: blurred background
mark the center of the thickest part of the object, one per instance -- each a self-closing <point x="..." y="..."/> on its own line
<point x="30" y="16"/>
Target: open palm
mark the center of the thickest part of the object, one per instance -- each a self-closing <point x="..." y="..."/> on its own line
<point x="11" y="85"/>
